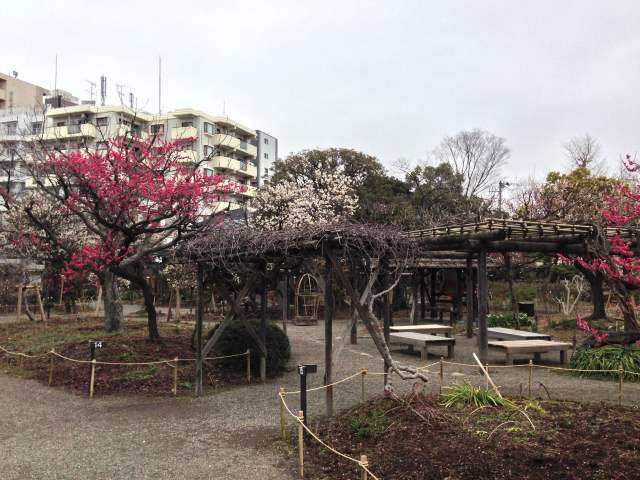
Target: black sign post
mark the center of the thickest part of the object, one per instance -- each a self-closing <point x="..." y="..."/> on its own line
<point x="93" y="344"/>
<point x="303" y="370"/>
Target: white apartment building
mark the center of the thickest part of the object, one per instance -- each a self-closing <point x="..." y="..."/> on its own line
<point x="222" y="145"/>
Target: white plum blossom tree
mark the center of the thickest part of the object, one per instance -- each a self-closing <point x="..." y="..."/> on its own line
<point x="289" y="203"/>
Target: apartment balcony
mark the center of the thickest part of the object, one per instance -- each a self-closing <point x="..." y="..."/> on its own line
<point x="86" y="130"/>
<point x="126" y="130"/>
<point x="189" y="156"/>
<point x="184" y="132"/>
<point x="226" y="141"/>
<point x="250" y="192"/>
<point x="245" y="169"/>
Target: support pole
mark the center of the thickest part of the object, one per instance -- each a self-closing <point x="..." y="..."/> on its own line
<point x="93" y="377"/>
<point x="328" y="334"/>
<point x="414" y="298"/>
<point x="301" y="443"/>
<point x="483" y="292"/>
<point x="283" y="425"/>
<point x="386" y="312"/>
<point x="353" y="337"/>
<point x="285" y="301"/>
<point x="19" y="306"/>
<point x="530" y="378"/>
<point x="423" y="305"/>
<point x="263" y="331"/>
<point x="199" y="320"/>
<point x="432" y="293"/>
<point x="43" y="317"/>
<point x="175" y="376"/>
<point x="469" y="297"/>
<point x="51" y="358"/>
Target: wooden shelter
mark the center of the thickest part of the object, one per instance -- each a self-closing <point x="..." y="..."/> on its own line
<point x="367" y="263"/>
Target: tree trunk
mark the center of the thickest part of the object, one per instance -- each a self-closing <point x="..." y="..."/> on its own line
<point x="111" y="300"/>
<point x="597" y="292"/>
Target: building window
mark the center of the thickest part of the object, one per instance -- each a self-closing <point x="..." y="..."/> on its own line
<point x="102" y="121"/>
<point x="158" y="129"/>
<point x="208" y="128"/>
<point x="101" y="146"/>
<point x="187" y="124"/>
<point x="11" y="128"/>
<point x="61" y="124"/>
<point x="266" y="155"/>
<point x="208" y="151"/>
<point x="266" y="141"/>
<point x="36" y="127"/>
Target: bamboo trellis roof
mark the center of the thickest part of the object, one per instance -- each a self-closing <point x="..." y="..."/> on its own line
<point x="519" y="229"/>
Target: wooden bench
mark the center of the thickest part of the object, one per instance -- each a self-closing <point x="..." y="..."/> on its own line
<point x="501" y="333"/>
<point x="537" y="347"/>
<point x="432" y="329"/>
<point x="422" y="341"/>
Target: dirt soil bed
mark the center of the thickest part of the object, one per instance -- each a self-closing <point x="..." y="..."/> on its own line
<point x="414" y="437"/>
<point x="70" y="338"/>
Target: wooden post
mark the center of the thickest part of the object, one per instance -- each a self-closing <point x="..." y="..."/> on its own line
<point x="301" y="443"/>
<point x="328" y="335"/>
<point x="285" y="301"/>
<point x="423" y="305"/>
<point x="178" y="306"/>
<point x="432" y="292"/>
<point x="99" y="299"/>
<point x="530" y="377"/>
<point x="43" y="317"/>
<point x="199" y="320"/>
<point x="483" y="292"/>
<point x="170" y="306"/>
<point x="364" y="373"/>
<point x="620" y="382"/>
<point x="414" y="298"/>
<point x="365" y="464"/>
<point x="441" y="374"/>
<point x="175" y="376"/>
<point x="93" y="377"/>
<point x="263" y="331"/>
<point x="248" y="365"/>
<point x="61" y="299"/>
<point x="19" y="306"/>
<point x="469" y="296"/>
<point x="283" y="426"/>
<point x="353" y="311"/>
<point x="51" y="368"/>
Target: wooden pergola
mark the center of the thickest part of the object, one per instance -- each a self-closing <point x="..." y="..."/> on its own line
<point x="367" y="262"/>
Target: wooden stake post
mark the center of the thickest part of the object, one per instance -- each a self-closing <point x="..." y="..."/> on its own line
<point x="175" y="376"/>
<point x="365" y="464"/>
<point x="469" y="296"/>
<point x="328" y="335"/>
<point x="301" y="443"/>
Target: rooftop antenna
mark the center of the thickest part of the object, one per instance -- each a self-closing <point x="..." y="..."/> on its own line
<point x="120" y="89"/>
<point x="92" y="90"/>
<point x="159" y="85"/>
<point x="131" y="100"/>
<point x="103" y="89"/>
<point x="224" y="107"/>
<point x="55" y="76"/>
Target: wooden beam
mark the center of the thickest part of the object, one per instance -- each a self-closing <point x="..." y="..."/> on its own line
<point x="199" y="320"/>
<point x="469" y="297"/>
<point x="328" y="334"/>
<point x="483" y="293"/>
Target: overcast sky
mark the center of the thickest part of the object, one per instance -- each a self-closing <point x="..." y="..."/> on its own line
<point x="388" y="78"/>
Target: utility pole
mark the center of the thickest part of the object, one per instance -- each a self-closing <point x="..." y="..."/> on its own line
<point x="501" y="186"/>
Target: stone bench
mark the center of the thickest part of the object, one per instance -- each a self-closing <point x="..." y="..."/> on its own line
<point x="537" y="347"/>
<point x="422" y="341"/>
<point x="501" y="333"/>
<point x="432" y="329"/>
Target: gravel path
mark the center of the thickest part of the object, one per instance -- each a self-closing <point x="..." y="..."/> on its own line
<point x="49" y="433"/>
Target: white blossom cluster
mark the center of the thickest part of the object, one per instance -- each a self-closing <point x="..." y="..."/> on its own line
<point x="288" y="204"/>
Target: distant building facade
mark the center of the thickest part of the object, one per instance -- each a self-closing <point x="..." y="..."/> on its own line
<point x="267" y="146"/>
<point x="18" y="94"/>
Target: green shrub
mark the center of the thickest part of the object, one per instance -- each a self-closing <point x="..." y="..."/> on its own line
<point x="467" y="394"/>
<point x="369" y="425"/>
<point x="609" y="357"/>
<point x="508" y="320"/>
<point x="236" y="339"/>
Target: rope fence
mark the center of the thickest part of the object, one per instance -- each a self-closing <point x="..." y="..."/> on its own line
<point x="363" y="463"/>
<point x="172" y="363"/>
